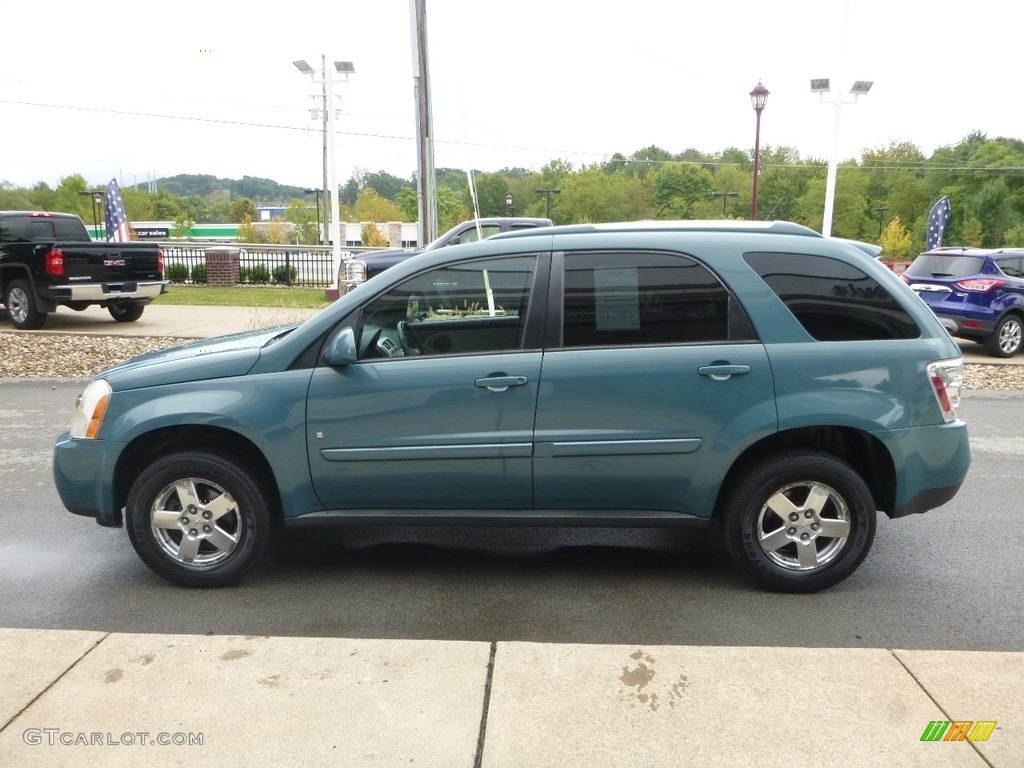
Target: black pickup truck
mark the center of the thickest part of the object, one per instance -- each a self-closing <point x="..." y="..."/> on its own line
<point x="48" y="260"/>
<point x="370" y="264"/>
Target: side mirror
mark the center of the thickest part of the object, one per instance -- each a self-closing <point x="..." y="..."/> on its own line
<point x="342" y="349"/>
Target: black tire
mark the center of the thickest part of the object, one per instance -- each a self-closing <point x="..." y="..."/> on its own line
<point x="1005" y="339"/>
<point x="789" y="554"/>
<point x="126" y="312"/>
<point x="226" y="500"/>
<point x="20" y="301"/>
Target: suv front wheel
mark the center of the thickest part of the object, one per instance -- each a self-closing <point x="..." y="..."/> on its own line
<point x="799" y="522"/>
<point x="199" y="519"/>
<point x="1005" y="339"/>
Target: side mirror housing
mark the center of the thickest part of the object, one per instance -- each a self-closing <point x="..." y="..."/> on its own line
<point x="342" y="349"/>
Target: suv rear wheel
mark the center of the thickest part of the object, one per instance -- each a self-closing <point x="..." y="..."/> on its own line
<point x="1005" y="339"/>
<point x="800" y="522"/>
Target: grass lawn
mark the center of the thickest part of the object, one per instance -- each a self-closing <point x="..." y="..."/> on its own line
<point x="244" y="296"/>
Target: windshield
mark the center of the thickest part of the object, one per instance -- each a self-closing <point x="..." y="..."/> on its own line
<point x="943" y="265"/>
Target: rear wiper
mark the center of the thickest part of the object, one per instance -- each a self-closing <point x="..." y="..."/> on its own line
<point x="942" y="274"/>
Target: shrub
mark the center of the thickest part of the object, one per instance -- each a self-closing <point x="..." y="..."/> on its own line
<point x="199" y="273"/>
<point x="257" y="273"/>
<point x="176" y="273"/>
<point x="285" y="274"/>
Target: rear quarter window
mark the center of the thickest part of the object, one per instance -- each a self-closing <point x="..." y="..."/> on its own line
<point x="833" y="300"/>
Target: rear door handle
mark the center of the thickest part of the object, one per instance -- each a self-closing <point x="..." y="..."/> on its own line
<point x="501" y="383"/>
<point x="722" y="371"/>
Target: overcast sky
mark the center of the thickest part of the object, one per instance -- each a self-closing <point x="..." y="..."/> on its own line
<point x="119" y="90"/>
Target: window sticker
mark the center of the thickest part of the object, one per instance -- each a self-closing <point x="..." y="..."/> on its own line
<point x="617" y="299"/>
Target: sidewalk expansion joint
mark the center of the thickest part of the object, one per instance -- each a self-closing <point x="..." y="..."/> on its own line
<point x="54" y="682"/>
<point x="478" y="762"/>
<point x="935" y="701"/>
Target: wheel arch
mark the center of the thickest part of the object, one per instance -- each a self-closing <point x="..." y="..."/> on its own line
<point x="866" y="454"/>
<point x="144" y="449"/>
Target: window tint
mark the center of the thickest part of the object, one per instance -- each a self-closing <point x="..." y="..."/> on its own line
<point x="945" y="265"/>
<point x="834" y="301"/>
<point x="470" y="235"/>
<point x="641" y="298"/>
<point x="1010" y="267"/>
<point x="464" y="308"/>
<point x="68" y="228"/>
<point x="41" y="229"/>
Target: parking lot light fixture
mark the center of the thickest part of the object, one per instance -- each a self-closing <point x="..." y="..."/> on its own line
<point x="822" y="86"/>
<point x="758" y="99"/>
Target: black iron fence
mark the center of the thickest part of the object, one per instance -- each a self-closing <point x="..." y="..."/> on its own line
<point x="302" y="265"/>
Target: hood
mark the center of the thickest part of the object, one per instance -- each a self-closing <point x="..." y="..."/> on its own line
<point x="218" y="357"/>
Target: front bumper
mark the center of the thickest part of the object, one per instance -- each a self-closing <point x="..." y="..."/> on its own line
<point x="83" y="471"/>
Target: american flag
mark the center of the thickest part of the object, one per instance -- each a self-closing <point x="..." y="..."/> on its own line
<point x="937" y="221"/>
<point x="117" y="221"/>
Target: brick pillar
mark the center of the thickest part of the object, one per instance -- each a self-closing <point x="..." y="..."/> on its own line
<point x="394" y="234"/>
<point x="222" y="265"/>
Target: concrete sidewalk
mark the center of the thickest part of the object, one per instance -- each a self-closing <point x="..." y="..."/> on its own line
<point x="72" y="698"/>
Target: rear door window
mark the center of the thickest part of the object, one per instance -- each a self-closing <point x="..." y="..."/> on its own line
<point x="629" y="298"/>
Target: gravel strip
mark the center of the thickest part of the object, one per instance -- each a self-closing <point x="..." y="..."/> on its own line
<point x="73" y="356"/>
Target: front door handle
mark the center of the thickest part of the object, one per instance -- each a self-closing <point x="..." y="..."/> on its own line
<point x="501" y="383"/>
<point x="722" y="371"/>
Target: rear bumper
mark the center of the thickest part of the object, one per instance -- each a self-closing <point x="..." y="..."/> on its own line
<point x="931" y="463"/>
<point x="112" y="291"/>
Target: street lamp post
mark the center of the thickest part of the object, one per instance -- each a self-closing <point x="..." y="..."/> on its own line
<point x="327" y="80"/>
<point x="508" y="204"/>
<point x="317" y="193"/>
<point x="822" y="86"/>
<point x="880" y="210"/>
<point x="725" y="198"/>
<point x="97" y="198"/>
<point x="758" y="98"/>
<point x="549" y="193"/>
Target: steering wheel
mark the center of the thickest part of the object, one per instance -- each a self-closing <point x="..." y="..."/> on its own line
<point x="406" y="339"/>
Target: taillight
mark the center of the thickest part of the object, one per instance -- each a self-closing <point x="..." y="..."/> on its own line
<point x="904" y="278"/>
<point x="979" y="284"/>
<point x="947" y="379"/>
<point x="55" y="262"/>
<point x="160" y="260"/>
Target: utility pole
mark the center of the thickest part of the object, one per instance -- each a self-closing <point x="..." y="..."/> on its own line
<point x="425" y="181"/>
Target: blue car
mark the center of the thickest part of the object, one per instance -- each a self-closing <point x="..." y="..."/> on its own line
<point x="755" y="374"/>
<point x="977" y="293"/>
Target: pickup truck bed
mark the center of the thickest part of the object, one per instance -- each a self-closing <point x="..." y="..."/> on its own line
<point x="48" y="260"/>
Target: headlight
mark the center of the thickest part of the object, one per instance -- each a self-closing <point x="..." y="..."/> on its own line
<point x="89" y="410"/>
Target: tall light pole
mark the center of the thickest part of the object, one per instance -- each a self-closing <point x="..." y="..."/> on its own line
<point x="758" y="98"/>
<point x="549" y="193"/>
<point x="341" y="70"/>
<point x="822" y="86"/>
<point x="97" y="199"/>
<point x="725" y="198"/>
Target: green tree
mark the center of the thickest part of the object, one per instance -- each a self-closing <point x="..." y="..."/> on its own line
<point x="371" y="206"/>
<point x="896" y="241"/>
<point x="182" y="226"/>
<point x="241" y="206"/>
<point x="450" y="208"/>
<point x="69" y="197"/>
<point x="14" y="198"/>
<point x="491" y="190"/>
<point x="277" y="232"/>
<point x="247" y="232"/>
<point x="974" y="233"/>
<point x="304" y="218"/>
<point x="678" y="187"/>
<point x="408" y="201"/>
<point x="591" y="195"/>
<point x="1014" y="237"/>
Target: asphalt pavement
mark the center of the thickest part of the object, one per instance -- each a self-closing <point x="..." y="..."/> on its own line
<point x="73" y="697"/>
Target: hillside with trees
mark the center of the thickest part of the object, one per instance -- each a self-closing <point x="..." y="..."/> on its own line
<point x="884" y="196"/>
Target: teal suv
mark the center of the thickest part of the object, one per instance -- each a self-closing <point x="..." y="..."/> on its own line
<point x="784" y="384"/>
